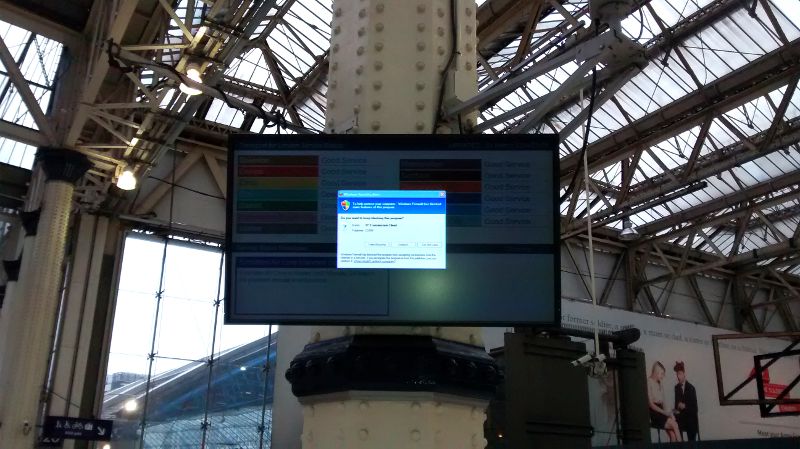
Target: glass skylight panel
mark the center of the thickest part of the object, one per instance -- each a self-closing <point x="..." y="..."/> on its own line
<point x="222" y="113"/>
<point x="252" y="67"/>
<point x="16" y="153"/>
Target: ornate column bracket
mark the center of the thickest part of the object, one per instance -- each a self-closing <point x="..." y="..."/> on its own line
<point x="399" y="363"/>
<point x="30" y="221"/>
<point x="60" y="164"/>
<point x="11" y="267"/>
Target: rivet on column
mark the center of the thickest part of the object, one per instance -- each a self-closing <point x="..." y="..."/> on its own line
<point x="420" y="105"/>
<point x="379" y="26"/>
<point x="335" y="66"/>
<point x="331" y="103"/>
<point x="377" y="85"/>
<point x="363" y="434"/>
<point x="440" y="50"/>
<point x="468" y="12"/>
<point x="379" y="7"/>
<point x="421" y="8"/>
<point x="376" y="125"/>
<point x="361" y="31"/>
<point x="420" y="126"/>
<point x="378" y="46"/>
<point x="468" y="29"/>
<point x="337" y="29"/>
<point x="468" y="65"/>
<point x="420" y="46"/>
<point x="420" y="65"/>
<point x="440" y="12"/>
<point x="469" y="46"/>
<point x="378" y="65"/>
<point x="359" y="70"/>
<point x="416" y="435"/>
<point x="420" y="85"/>
<point x="338" y="12"/>
<point x="362" y="13"/>
<point x="420" y="27"/>
<point x="415" y="407"/>
<point x="360" y="51"/>
<point x="363" y="405"/>
<point x="440" y="31"/>
<point x="335" y="48"/>
<point x="316" y="337"/>
<point x="376" y="105"/>
<point x="357" y="89"/>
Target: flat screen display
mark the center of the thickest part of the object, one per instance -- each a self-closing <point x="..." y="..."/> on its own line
<point x="393" y="229"/>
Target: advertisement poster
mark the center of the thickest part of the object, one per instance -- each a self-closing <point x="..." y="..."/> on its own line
<point x="682" y="381"/>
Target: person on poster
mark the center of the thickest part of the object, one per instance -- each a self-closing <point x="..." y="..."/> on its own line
<point x="686" y="403"/>
<point x="660" y="418"/>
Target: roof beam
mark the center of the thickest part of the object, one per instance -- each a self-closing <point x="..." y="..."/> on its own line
<point x="22" y="134"/>
<point x="750" y="81"/>
<point x="39" y="25"/>
<point x="24" y="90"/>
<point x="717" y="162"/>
<point x="731" y="200"/>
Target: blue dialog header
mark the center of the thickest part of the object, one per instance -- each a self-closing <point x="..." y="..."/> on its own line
<point x="392" y="194"/>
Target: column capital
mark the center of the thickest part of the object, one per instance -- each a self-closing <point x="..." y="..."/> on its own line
<point x="11" y="267"/>
<point x="30" y="221"/>
<point x="61" y="164"/>
<point x="397" y="363"/>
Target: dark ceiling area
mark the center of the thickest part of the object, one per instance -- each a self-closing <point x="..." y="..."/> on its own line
<point x="70" y="13"/>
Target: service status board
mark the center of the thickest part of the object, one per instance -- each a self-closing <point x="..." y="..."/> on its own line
<point x="393" y="229"/>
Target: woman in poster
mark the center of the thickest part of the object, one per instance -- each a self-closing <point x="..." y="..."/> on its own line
<point x="660" y="418"/>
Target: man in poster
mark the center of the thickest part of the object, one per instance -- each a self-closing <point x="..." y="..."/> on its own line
<point x="686" y="403"/>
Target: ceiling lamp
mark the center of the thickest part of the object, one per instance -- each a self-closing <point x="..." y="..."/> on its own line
<point x="628" y="233"/>
<point x="126" y="180"/>
<point x="193" y="73"/>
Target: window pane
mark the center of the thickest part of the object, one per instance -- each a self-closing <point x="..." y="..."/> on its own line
<point x="230" y="392"/>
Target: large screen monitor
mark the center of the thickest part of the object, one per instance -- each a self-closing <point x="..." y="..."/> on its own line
<point x="393" y="229"/>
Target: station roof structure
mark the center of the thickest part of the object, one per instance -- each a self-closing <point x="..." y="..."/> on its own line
<point x="694" y="143"/>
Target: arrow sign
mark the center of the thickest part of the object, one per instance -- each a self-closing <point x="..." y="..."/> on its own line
<point x="64" y="427"/>
<point x="50" y="442"/>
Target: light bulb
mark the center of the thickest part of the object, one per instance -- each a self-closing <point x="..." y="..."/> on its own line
<point x="193" y="73"/>
<point x="106" y="446"/>
<point x="127" y="180"/>
<point x="131" y="405"/>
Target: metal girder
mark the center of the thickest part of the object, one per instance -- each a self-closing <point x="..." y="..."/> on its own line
<point x="24" y="90"/>
<point x="702" y="210"/>
<point x="750" y="81"/>
<point x="716" y="162"/>
<point x="22" y="134"/>
<point x="768" y="252"/>
<point x="499" y="17"/>
<point x="39" y="25"/>
<point x="778" y="215"/>
<point x="97" y="66"/>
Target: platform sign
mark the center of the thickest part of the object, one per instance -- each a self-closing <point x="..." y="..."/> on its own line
<point x="58" y="428"/>
<point x="393" y="229"/>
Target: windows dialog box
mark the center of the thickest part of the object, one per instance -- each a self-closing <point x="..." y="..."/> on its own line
<point x="391" y="229"/>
